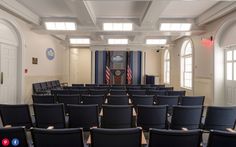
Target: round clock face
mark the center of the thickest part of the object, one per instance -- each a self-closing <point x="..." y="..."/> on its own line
<point x="50" y="53"/>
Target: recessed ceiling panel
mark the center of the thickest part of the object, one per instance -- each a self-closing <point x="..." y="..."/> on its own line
<point x="186" y="9"/>
<point x="48" y="8"/>
<point x="118" y="9"/>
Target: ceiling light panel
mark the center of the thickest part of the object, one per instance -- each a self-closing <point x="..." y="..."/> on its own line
<point x="175" y="26"/>
<point x="60" y="26"/>
<point x="79" y="41"/>
<point x="117" y="41"/>
<point x="156" y="41"/>
<point x="117" y="26"/>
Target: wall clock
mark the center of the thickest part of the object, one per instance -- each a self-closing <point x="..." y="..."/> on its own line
<point x="50" y="53"/>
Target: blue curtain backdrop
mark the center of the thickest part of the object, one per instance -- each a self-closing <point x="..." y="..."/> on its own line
<point x="135" y="62"/>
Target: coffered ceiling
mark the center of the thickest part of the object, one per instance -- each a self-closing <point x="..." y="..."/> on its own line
<point x="146" y="16"/>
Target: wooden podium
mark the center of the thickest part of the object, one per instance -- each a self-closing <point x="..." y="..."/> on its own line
<point x="118" y="76"/>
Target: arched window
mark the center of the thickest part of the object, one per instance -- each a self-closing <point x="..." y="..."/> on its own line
<point x="186" y="65"/>
<point x="167" y="67"/>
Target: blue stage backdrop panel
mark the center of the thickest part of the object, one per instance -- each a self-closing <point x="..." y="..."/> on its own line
<point x="100" y="64"/>
<point x="136" y="65"/>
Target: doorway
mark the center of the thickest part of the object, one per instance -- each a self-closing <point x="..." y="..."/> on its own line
<point x="230" y="75"/>
<point x="9" y="45"/>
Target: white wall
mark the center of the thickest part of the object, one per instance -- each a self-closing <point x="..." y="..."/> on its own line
<point x="34" y="45"/>
<point x="80" y="65"/>
<point x="208" y="76"/>
<point x="153" y="62"/>
<point x="202" y="68"/>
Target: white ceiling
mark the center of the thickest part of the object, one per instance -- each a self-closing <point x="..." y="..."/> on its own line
<point x="48" y="8"/>
<point x="118" y="9"/>
<point x="186" y="9"/>
<point x="145" y="14"/>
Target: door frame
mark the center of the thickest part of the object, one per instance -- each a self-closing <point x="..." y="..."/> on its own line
<point x="20" y="56"/>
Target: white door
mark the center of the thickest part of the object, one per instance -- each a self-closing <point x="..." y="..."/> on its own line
<point x="230" y="76"/>
<point x="8" y="74"/>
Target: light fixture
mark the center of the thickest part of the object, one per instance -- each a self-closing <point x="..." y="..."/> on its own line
<point x="175" y="26"/>
<point x="117" y="26"/>
<point x="79" y="41"/>
<point x="156" y="41"/>
<point x="117" y="41"/>
<point x="60" y="26"/>
<point x="207" y="42"/>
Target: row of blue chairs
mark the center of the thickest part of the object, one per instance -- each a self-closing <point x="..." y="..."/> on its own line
<point x="113" y="116"/>
<point x="45" y="87"/>
<point x="100" y="137"/>
<point x="119" y="100"/>
<point x="130" y="92"/>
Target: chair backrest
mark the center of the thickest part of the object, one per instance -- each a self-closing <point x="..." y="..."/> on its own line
<point x="44" y="86"/>
<point x="83" y="91"/>
<point x="54" y="84"/>
<point x="186" y="117"/>
<point x="167" y="100"/>
<point x="130" y="137"/>
<point x="49" y="84"/>
<point x="117" y="92"/>
<point x="118" y="100"/>
<point x="131" y="87"/>
<point x="221" y="139"/>
<point x="118" y="87"/>
<point x="98" y="91"/>
<point x="90" y="85"/>
<point x="152" y="117"/>
<point x="174" y="138"/>
<point x="16" y="115"/>
<point x="43" y="99"/>
<point x="57" y="137"/>
<point x="49" y="115"/>
<point x="68" y="99"/>
<point x="176" y="93"/>
<point x="149" y="89"/>
<point x="77" y="85"/>
<point x="192" y="100"/>
<point x="83" y="116"/>
<point x="220" y="118"/>
<point x="37" y="88"/>
<point x="166" y="88"/>
<point x="13" y="136"/>
<point x="117" y="116"/>
<point x="93" y="99"/>
<point x="58" y="83"/>
<point x="137" y="92"/>
<point x="156" y="92"/>
<point x="159" y="86"/>
<point x="60" y="91"/>
<point x="142" y="100"/>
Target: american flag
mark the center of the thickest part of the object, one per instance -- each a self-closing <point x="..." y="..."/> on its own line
<point x="108" y="71"/>
<point x="128" y="70"/>
<point x="129" y="75"/>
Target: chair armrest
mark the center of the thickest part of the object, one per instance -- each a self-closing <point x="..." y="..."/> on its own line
<point x="7" y="126"/>
<point x="50" y="127"/>
<point x="184" y="129"/>
<point x="230" y="130"/>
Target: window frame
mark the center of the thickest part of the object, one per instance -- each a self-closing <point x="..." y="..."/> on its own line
<point x="233" y="64"/>
<point x="166" y="62"/>
<point x="183" y="64"/>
